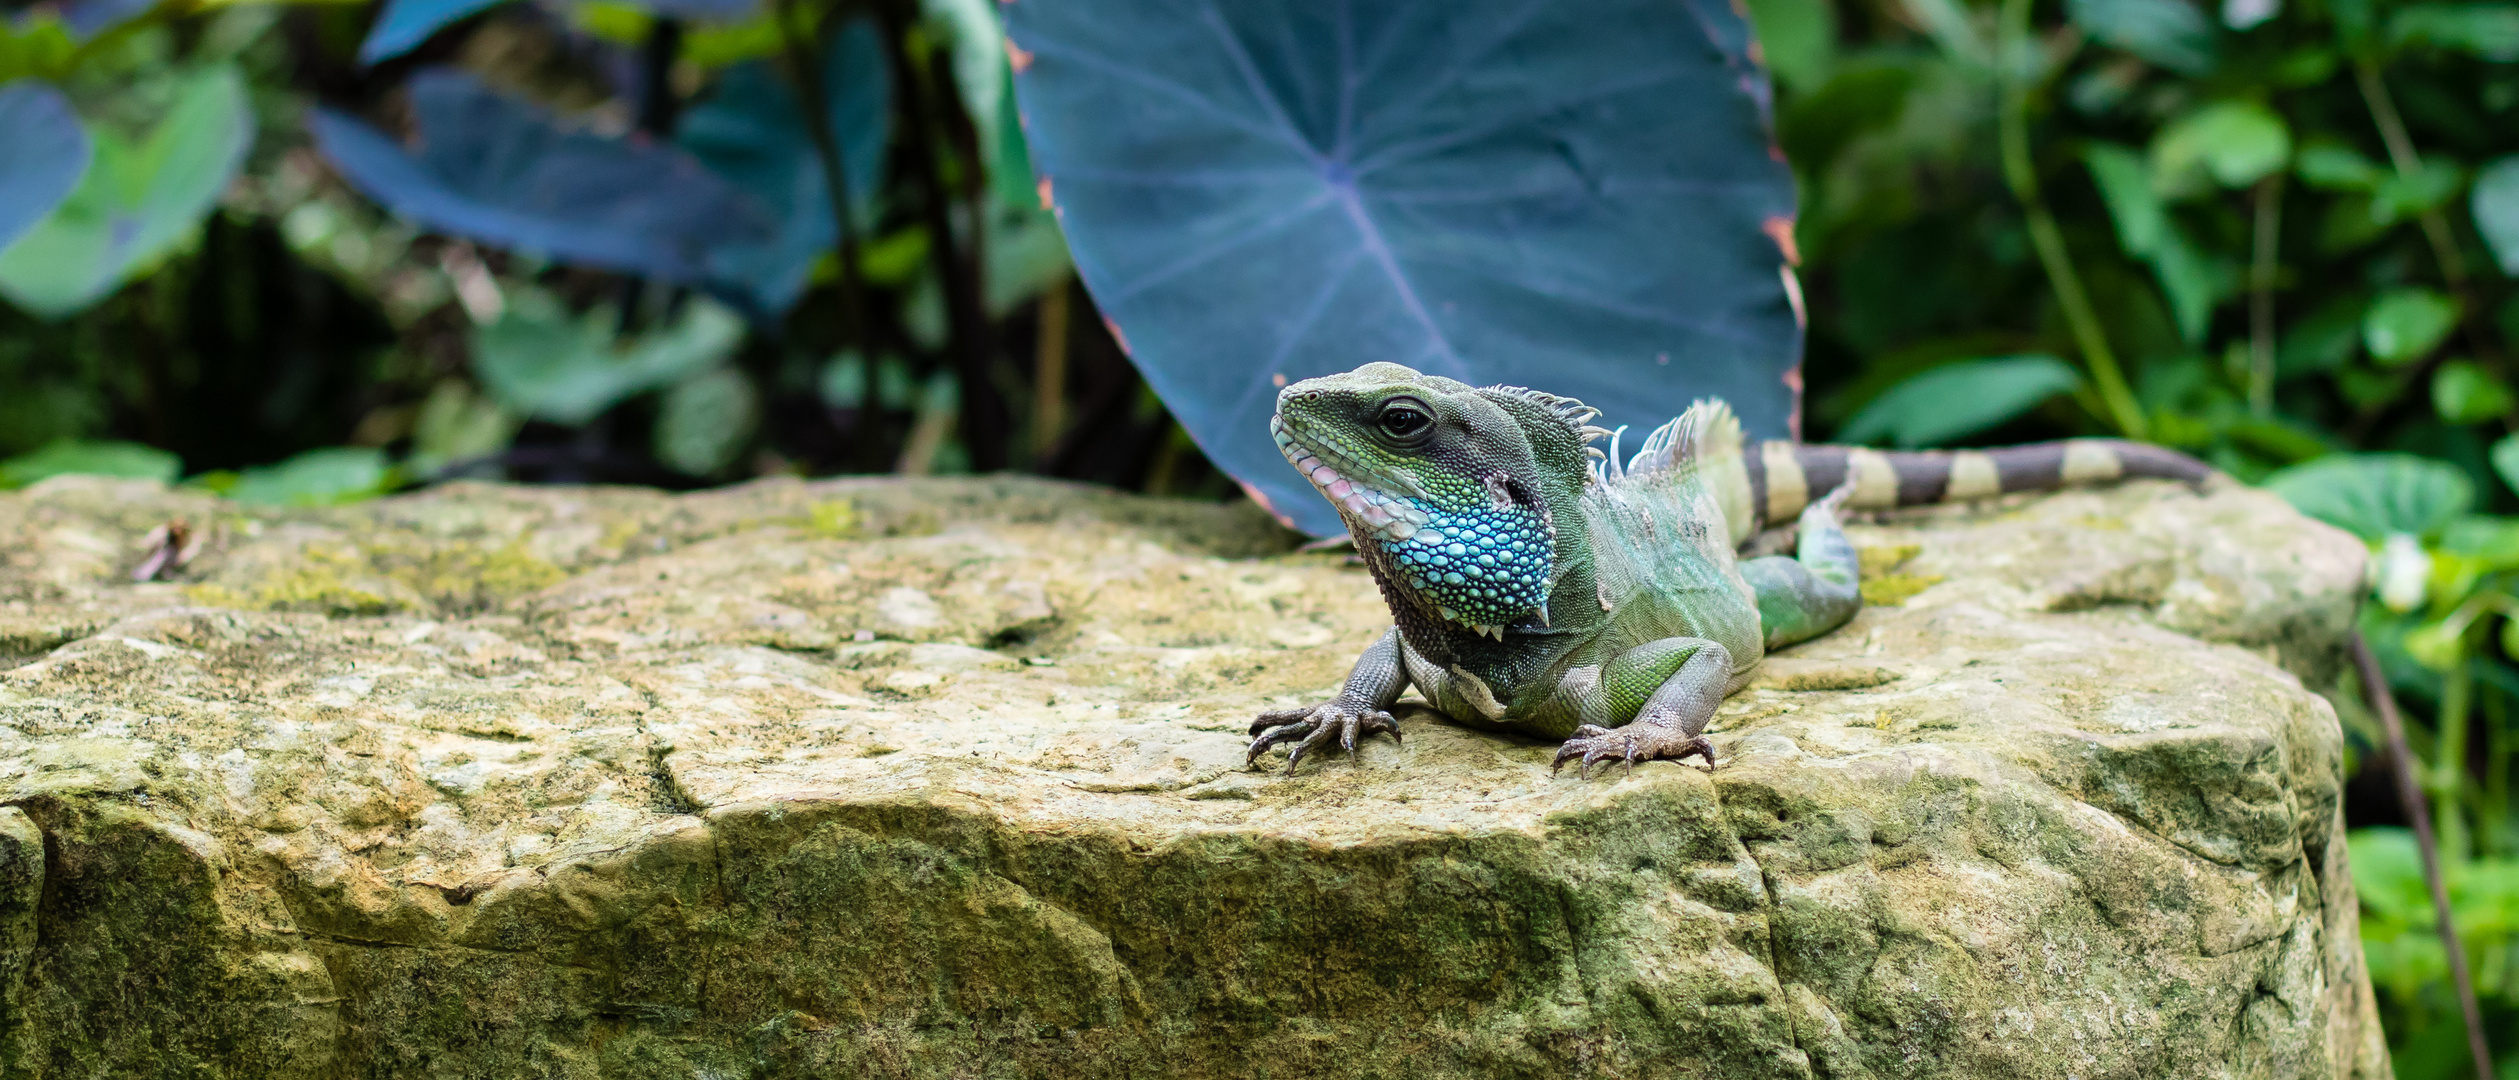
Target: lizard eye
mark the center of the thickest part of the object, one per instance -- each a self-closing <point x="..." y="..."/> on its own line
<point x="1404" y="420"/>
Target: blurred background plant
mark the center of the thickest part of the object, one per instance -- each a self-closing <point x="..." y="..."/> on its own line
<point x="2279" y="235"/>
<point x="315" y="251"/>
<point x="304" y="253"/>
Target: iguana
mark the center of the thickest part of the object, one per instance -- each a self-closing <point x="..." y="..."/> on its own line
<point x="1543" y="586"/>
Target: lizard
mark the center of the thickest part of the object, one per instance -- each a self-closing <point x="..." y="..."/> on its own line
<point x="1539" y="584"/>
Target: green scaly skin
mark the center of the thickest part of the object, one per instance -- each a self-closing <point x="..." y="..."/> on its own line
<point x="1538" y="586"/>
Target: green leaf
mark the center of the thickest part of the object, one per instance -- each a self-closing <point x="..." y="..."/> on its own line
<point x="2490" y="31"/>
<point x="2388" y="873"/>
<point x="2492" y="541"/>
<point x="1961" y="399"/>
<point x="842" y="381"/>
<point x="1584" y="197"/>
<point x="891" y="259"/>
<point x="1025" y="255"/>
<point x="2194" y="280"/>
<point x="2237" y="143"/>
<point x="455" y="424"/>
<point x="36" y="45"/>
<point x="979" y="62"/>
<point x="2171" y="33"/>
<point x="2505" y="457"/>
<point x="706" y="420"/>
<point x="2397" y="197"/>
<point x="2373" y="495"/>
<point x="2332" y="166"/>
<point x="124" y="459"/>
<point x="2323" y="341"/>
<point x="2406" y="324"/>
<point x="2249" y="14"/>
<point x="327" y="477"/>
<point x="2125" y="184"/>
<point x="2283" y="439"/>
<point x="1798" y="38"/>
<point x="2495" y="203"/>
<point x="2356" y="24"/>
<point x="2464" y="393"/>
<point x="538" y="361"/>
<point x="139" y="200"/>
<point x="1947" y="23"/>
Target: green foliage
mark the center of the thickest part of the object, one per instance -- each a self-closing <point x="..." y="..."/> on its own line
<point x="1957" y="400"/>
<point x="705" y="422"/>
<point x="315" y="478"/>
<point x="2374" y="496"/>
<point x="141" y="195"/>
<point x="540" y="360"/>
<point x="2234" y="143"/>
<point x="2401" y="938"/>
<point x="2292" y="226"/>
<point x="2405" y="325"/>
<point x="123" y="459"/>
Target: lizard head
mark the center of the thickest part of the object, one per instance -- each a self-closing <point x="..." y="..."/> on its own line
<point x="1461" y="487"/>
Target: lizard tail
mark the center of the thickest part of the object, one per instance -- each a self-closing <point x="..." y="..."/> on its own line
<point x="1784" y="476"/>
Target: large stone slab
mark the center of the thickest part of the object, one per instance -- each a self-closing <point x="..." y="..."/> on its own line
<point x="943" y="778"/>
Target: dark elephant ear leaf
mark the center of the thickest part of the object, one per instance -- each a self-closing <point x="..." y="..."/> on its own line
<point x="43" y="152"/>
<point x="407" y="23"/>
<point x="1582" y="198"/>
<point x="751" y="131"/>
<point x="501" y="172"/>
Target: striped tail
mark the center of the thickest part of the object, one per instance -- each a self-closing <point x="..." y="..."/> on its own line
<point x="1785" y="476"/>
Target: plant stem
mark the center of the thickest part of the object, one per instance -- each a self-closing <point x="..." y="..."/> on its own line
<point x="925" y="89"/>
<point x="804" y="61"/>
<point x="2383" y="112"/>
<point x="2449" y="771"/>
<point x="2375" y="694"/>
<point x="657" y="106"/>
<point x="2269" y="229"/>
<point x="2022" y="177"/>
<point x="2497" y="768"/>
<point x="1049" y="374"/>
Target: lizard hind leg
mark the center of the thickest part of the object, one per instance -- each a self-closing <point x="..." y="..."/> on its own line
<point x="1680" y="681"/>
<point x="1819" y="587"/>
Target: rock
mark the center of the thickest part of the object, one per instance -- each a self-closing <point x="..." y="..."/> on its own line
<point x="943" y="778"/>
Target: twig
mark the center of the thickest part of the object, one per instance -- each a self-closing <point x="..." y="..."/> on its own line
<point x="2410" y="793"/>
<point x="2383" y="112"/>
<point x="2022" y="178"/>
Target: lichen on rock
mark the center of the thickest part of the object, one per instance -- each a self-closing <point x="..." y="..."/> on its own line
<point x="943" y="778"/>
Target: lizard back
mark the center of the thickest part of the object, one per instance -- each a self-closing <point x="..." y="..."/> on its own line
<point x="1661" y="526"/>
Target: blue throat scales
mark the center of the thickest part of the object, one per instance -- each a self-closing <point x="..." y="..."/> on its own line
<point x="1485" y="567"/>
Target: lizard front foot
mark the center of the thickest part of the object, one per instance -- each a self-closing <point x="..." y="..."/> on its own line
<point x="1633" y="743"/>
<point x="1310" y="728"/>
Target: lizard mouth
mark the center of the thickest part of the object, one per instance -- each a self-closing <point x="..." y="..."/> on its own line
<point x="1386" y="515"/>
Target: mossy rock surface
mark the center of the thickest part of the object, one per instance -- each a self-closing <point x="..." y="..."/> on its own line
<point x="943" y="779"/>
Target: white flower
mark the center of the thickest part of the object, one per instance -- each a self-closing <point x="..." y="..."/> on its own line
<point x="2401" y="573"/>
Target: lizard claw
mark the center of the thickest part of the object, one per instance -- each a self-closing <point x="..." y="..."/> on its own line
<point x="1310" y="729"/>
<point x="1593" y="745"/>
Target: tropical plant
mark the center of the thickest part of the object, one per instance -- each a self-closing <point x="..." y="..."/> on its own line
<point x="312" y="252"/>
